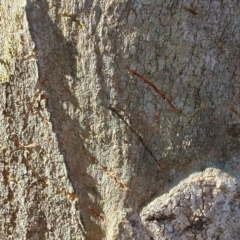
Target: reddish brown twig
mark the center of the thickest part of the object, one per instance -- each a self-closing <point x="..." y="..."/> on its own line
<point x="96" y="213"/>
<point x="158" y="90"/>
<point x="111" y="175"/>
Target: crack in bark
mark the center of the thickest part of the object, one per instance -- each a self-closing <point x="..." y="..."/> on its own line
<point x="140" y="139"/>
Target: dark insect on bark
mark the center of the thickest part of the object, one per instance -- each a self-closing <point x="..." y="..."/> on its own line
<point x="191" y="10"/>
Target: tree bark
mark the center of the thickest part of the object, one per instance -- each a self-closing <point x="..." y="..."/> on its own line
<point x="120" y="119"/>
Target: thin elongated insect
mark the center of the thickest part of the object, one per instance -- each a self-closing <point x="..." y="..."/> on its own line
<point x="191" y="10"/>
<point x="158" y="90"/>
<point x="96" y="213"/>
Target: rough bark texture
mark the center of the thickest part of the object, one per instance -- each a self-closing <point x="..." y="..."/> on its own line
<point x="120" y="119"/>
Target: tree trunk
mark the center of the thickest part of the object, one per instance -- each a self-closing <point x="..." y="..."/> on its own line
<point x="120" y="119"/>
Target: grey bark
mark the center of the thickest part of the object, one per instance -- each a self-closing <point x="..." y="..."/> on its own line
<point x="120" y="119"/>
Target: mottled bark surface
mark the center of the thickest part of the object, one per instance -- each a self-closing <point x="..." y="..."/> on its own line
<point x="120" y="119"/>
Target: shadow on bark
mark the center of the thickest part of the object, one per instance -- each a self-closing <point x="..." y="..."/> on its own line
<point x="209" y="146"/>
<point x="56" y="61"/>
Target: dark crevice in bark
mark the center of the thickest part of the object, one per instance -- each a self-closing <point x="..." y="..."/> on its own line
<point x="56" y="59"/>
<point x="140" y="139"/>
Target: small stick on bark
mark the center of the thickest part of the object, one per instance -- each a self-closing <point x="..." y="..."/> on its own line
<point x="96" y="213"/>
